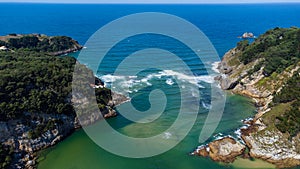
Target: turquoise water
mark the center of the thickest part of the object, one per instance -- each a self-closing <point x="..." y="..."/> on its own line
<point x="221" y="23"/>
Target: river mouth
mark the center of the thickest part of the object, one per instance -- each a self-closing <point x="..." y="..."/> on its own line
<point x="79" y="151"/>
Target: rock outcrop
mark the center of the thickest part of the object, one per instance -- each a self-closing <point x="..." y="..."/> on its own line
<point x="33" y="130"/>
<point x="261" y="136"/>
<point x="53" y="45"/>
<point x="223" y="150"/>
<point x="272" y="145"/>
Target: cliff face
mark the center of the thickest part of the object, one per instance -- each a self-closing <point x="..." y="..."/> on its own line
<point x="255" y="85"/>
<point x="36" y="103"/>
<point x="260" y="77"/>
<point x="267" y="70"/>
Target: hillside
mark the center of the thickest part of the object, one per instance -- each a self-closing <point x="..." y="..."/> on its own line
<point x="54" y="45"/>
<point x="36" y="108"/>
<point x="267" y="70"/>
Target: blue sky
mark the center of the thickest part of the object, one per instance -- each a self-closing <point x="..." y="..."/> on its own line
<point x="153" y="1"/>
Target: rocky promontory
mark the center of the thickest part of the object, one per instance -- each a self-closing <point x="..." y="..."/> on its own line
<point x="267" y="71"/>
<point x="53" y="45"/>
<point x="37" y="103"/>
<point x="222" y="150"/>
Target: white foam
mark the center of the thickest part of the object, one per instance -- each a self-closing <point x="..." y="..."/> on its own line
<point x="215" y="67"/>
<point x="188" y="78"/>
<point x="111" y="78"/>
<point x="206" y="78"/>
<point x="247" y="120"/>
<point x="167" y="135"/>
<point x="238" y="133"/>
<point x="169" y="82"/>
<point x="206" y="106"/>
<point x="133" y="81"/>
<point x="219" y="136"/>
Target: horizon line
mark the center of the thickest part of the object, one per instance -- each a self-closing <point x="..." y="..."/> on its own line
<point x="149" y="3"/>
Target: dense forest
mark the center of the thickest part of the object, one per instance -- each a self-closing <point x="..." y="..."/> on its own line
<point x="34" y="83"/>
<point x="278" y="48"/>
<point x="39" y="43"/>
<point x="37" y="83"/>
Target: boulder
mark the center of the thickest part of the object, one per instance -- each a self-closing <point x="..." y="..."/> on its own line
<point x="223" y="150"/>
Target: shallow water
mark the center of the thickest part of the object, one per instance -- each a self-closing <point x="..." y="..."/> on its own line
<point x="78" y="151"/>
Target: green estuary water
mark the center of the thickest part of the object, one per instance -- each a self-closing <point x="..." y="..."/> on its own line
<point x="79" y="152"/>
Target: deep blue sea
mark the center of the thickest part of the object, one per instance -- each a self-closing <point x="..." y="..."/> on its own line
<point x="222" y="24"/>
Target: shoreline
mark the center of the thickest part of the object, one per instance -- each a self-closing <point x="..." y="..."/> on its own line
<point x="16" y="135"/>
<point x="254" y="134"/>
<point x="33" y="157"/>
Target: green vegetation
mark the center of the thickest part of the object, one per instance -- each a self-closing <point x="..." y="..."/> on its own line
<point x="44" y="126"/>
<point x="35" y="86"/>
<point x="242" y="44"/>
<point x="2" y="43"/>
<point x="5" y="156"/>
<point x="276" y="111"/>
<point x="285" y="108"/>
<point x="34" y="82"/>
<point x="41" y="43"/>
<point x="277" y="53"/>
<point x="278" y="48"/>
<point x="289" y="121"/>
<point x="38" y="83"/>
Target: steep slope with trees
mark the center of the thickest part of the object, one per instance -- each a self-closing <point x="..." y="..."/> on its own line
<point x="268" y="71"/>
<point x="36" y="108"/>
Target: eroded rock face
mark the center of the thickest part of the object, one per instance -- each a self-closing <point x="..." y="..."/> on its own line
<point x="228" y="83"/>
<point x="223" y="150"/>
<point x="118" y="99"/>
<point x="274" y="147"/>
<point x="261" y="137"/>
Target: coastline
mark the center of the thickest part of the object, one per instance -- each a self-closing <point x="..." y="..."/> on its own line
<point x="17" y="135"/>
<point x="28" y="150"/>
<point x="260" y="143"/>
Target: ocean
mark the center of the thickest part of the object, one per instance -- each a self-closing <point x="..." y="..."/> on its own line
<point x="222" y="24"/>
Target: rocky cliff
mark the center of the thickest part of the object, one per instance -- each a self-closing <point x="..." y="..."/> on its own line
<point x="267" y="70"/>
<point x="36" y="103"/>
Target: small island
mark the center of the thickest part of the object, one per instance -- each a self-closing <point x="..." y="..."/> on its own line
<point x="268" y="71"/>
<point x="36" y="109"/>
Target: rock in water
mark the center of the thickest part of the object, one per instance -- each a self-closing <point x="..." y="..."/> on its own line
<point x="223" y="150"/>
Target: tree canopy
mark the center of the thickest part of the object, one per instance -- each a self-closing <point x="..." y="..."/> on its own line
<point x="36" y="82"/>
<point x="279" y="48"/>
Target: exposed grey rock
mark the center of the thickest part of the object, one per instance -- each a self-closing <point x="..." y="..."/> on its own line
<point x="228" y="83"/>
<point x="274" y="147"/>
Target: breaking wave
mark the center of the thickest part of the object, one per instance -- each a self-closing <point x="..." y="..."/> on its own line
<point x="169" y="75"/>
